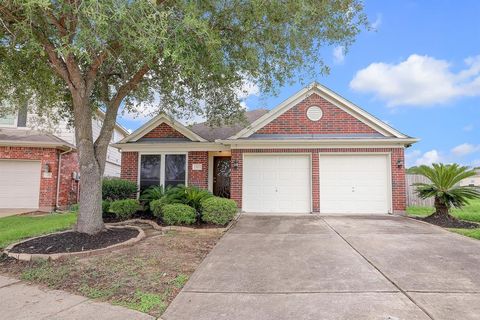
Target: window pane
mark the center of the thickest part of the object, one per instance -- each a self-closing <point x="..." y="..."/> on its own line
<point x="8" y="120"/>
<point x="149" y="171"/>
<point x="174" y="169"/>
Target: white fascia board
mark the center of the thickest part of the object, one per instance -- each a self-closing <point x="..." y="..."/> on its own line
<point x="158" y="120"/>
<point x="328" y="95"/>
<point x="276" y="144"/>
<point x="35" y="144"/>
<point x="181" y="146"/>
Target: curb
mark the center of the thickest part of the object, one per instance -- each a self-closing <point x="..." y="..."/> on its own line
<point x="55" y="256"/>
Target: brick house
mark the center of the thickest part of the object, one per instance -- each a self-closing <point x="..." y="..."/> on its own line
<point x="315" y="152"/>
<point x="39" y="166"/>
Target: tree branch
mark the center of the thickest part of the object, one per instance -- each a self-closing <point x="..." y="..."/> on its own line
<point x="103" y="140"/>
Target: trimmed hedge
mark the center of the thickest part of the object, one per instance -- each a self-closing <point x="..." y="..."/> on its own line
<point x="118" y="189"/>
<point x="157" y="205"/>
<point x="105" y="208"/>
<point x="218" y="210"/>
<point x="178" y="213"/>
<point x="124" y="209"/>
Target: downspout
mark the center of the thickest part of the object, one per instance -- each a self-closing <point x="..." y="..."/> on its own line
<point x="58" y="175"/>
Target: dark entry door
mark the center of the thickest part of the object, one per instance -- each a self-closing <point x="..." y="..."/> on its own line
<point x="221" y="177"/>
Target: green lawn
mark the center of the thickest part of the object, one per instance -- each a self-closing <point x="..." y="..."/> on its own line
<point x="470" y="212"/>
<point x="15" y="228"/>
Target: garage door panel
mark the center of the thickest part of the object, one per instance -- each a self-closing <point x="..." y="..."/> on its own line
<point x="285" y="181"/>
<point x="354" y="184"/>
<point x="19" y="184"/>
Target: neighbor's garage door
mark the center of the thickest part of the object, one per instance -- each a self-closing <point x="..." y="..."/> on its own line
<point x="19" y="183"/>
<point x="354" y="184"/>
<point x="274" y="183"/>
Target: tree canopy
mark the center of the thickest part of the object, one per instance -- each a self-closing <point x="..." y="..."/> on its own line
<point x="187" y="57"/>
<point x="190" y="56"/>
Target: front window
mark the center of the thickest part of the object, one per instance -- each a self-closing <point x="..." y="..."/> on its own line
<point x="162" y="169"/>
<point x="174" y="169"/>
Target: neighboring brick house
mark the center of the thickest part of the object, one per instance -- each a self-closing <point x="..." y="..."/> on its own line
<point x="39" y="166"/>
<point x="315" y="152"/>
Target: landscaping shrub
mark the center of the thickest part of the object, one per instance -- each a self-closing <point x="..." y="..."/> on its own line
<point x="124" y="209"/>
<point x="218" y="210"/>
<point x="178" y="213"/>
<point x="191" y="196"/>
<point x="74" y="207"/>
<point x="152" y="193"/>
<point x="157" y="205"/>
<point x="105" y="208"/>
<point x="117" y="189"/>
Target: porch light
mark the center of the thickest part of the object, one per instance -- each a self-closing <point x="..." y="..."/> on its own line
<point x="399" y="163"/>
<point x="235" y="164"/>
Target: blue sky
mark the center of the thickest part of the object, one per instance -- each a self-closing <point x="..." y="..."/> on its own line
<point x="419" y="71"/>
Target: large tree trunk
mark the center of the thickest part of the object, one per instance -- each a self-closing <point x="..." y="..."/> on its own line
<point x="90" y="211"/>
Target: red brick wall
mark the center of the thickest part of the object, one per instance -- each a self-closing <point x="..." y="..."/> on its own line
<point x="129" y="170"/>
<point x="68" y="189"/>
<point x="163" y="131"/>
<point x="48" y="186"/>
<point x="398" y="174"/>
<point x="198" y="178"/>
<point x="333" y="121"/>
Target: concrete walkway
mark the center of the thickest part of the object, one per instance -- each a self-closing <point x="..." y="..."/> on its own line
<point x="19" y="301"/>
<point x="311" y="267"/>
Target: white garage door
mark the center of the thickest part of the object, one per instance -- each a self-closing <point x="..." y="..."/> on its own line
<point x="274" y="183"/>
<point x="354" y="184"/>
<point x="19" y="184"/>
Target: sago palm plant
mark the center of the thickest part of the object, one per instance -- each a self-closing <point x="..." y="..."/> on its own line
<point x="444" y="187"/>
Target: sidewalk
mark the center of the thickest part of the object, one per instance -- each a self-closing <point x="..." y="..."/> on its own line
<point x="20" y="301"/>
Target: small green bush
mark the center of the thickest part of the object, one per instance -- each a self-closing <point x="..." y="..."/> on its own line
<point x="218" y="210"/>
<point x="124" y="209"/>
<point x="75" y="207"/>
<point x="178" y="213"/>
<point x="105" y="208"/>
<point x="191" y="196"/>
<point x="157" y="205"/>
<point x="117" y="189"/>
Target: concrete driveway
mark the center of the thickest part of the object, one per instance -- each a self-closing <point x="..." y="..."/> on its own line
<point x="313" y="267"/>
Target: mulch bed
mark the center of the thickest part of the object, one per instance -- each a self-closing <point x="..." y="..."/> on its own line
<point x="72" y="241"/>
<point x="449" y="222"/>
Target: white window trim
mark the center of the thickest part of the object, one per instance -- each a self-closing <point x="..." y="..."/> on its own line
<point x="162" y="165"/>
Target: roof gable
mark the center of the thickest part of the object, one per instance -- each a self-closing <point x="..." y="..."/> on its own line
<point x="162" y="126"/>
<point x="292" y="109"/>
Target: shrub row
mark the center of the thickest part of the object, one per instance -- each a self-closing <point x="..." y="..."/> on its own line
<point x="174" y="205"/>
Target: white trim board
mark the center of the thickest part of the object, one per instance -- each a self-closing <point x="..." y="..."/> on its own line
<point x="158" y="120"/>
<point x="328" y="95"/>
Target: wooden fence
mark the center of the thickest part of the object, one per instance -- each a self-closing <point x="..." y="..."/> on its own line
<point x="412" y="197"/>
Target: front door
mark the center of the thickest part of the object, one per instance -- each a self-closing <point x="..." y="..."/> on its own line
<point x="221" y="177"/>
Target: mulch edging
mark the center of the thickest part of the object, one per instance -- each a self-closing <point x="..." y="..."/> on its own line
<point x="156" y="226"/>
<point x="55" y="256"/>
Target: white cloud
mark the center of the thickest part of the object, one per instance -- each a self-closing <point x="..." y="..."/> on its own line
<point x="476" y="163"/>
<point x="378" y="21"/>
<point x="428" y="158"/>
<point x="411" y="157"/>
<point x="468" y="127"/>
<point x="418" y="81"/>
<point x="338" y="55"/>
<point x="465" y="149"/>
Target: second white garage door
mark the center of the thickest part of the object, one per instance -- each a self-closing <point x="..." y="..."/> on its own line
<point x="274" y="183"/>
<point x="354" y="184"/>
<point x="19" y="184"/>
